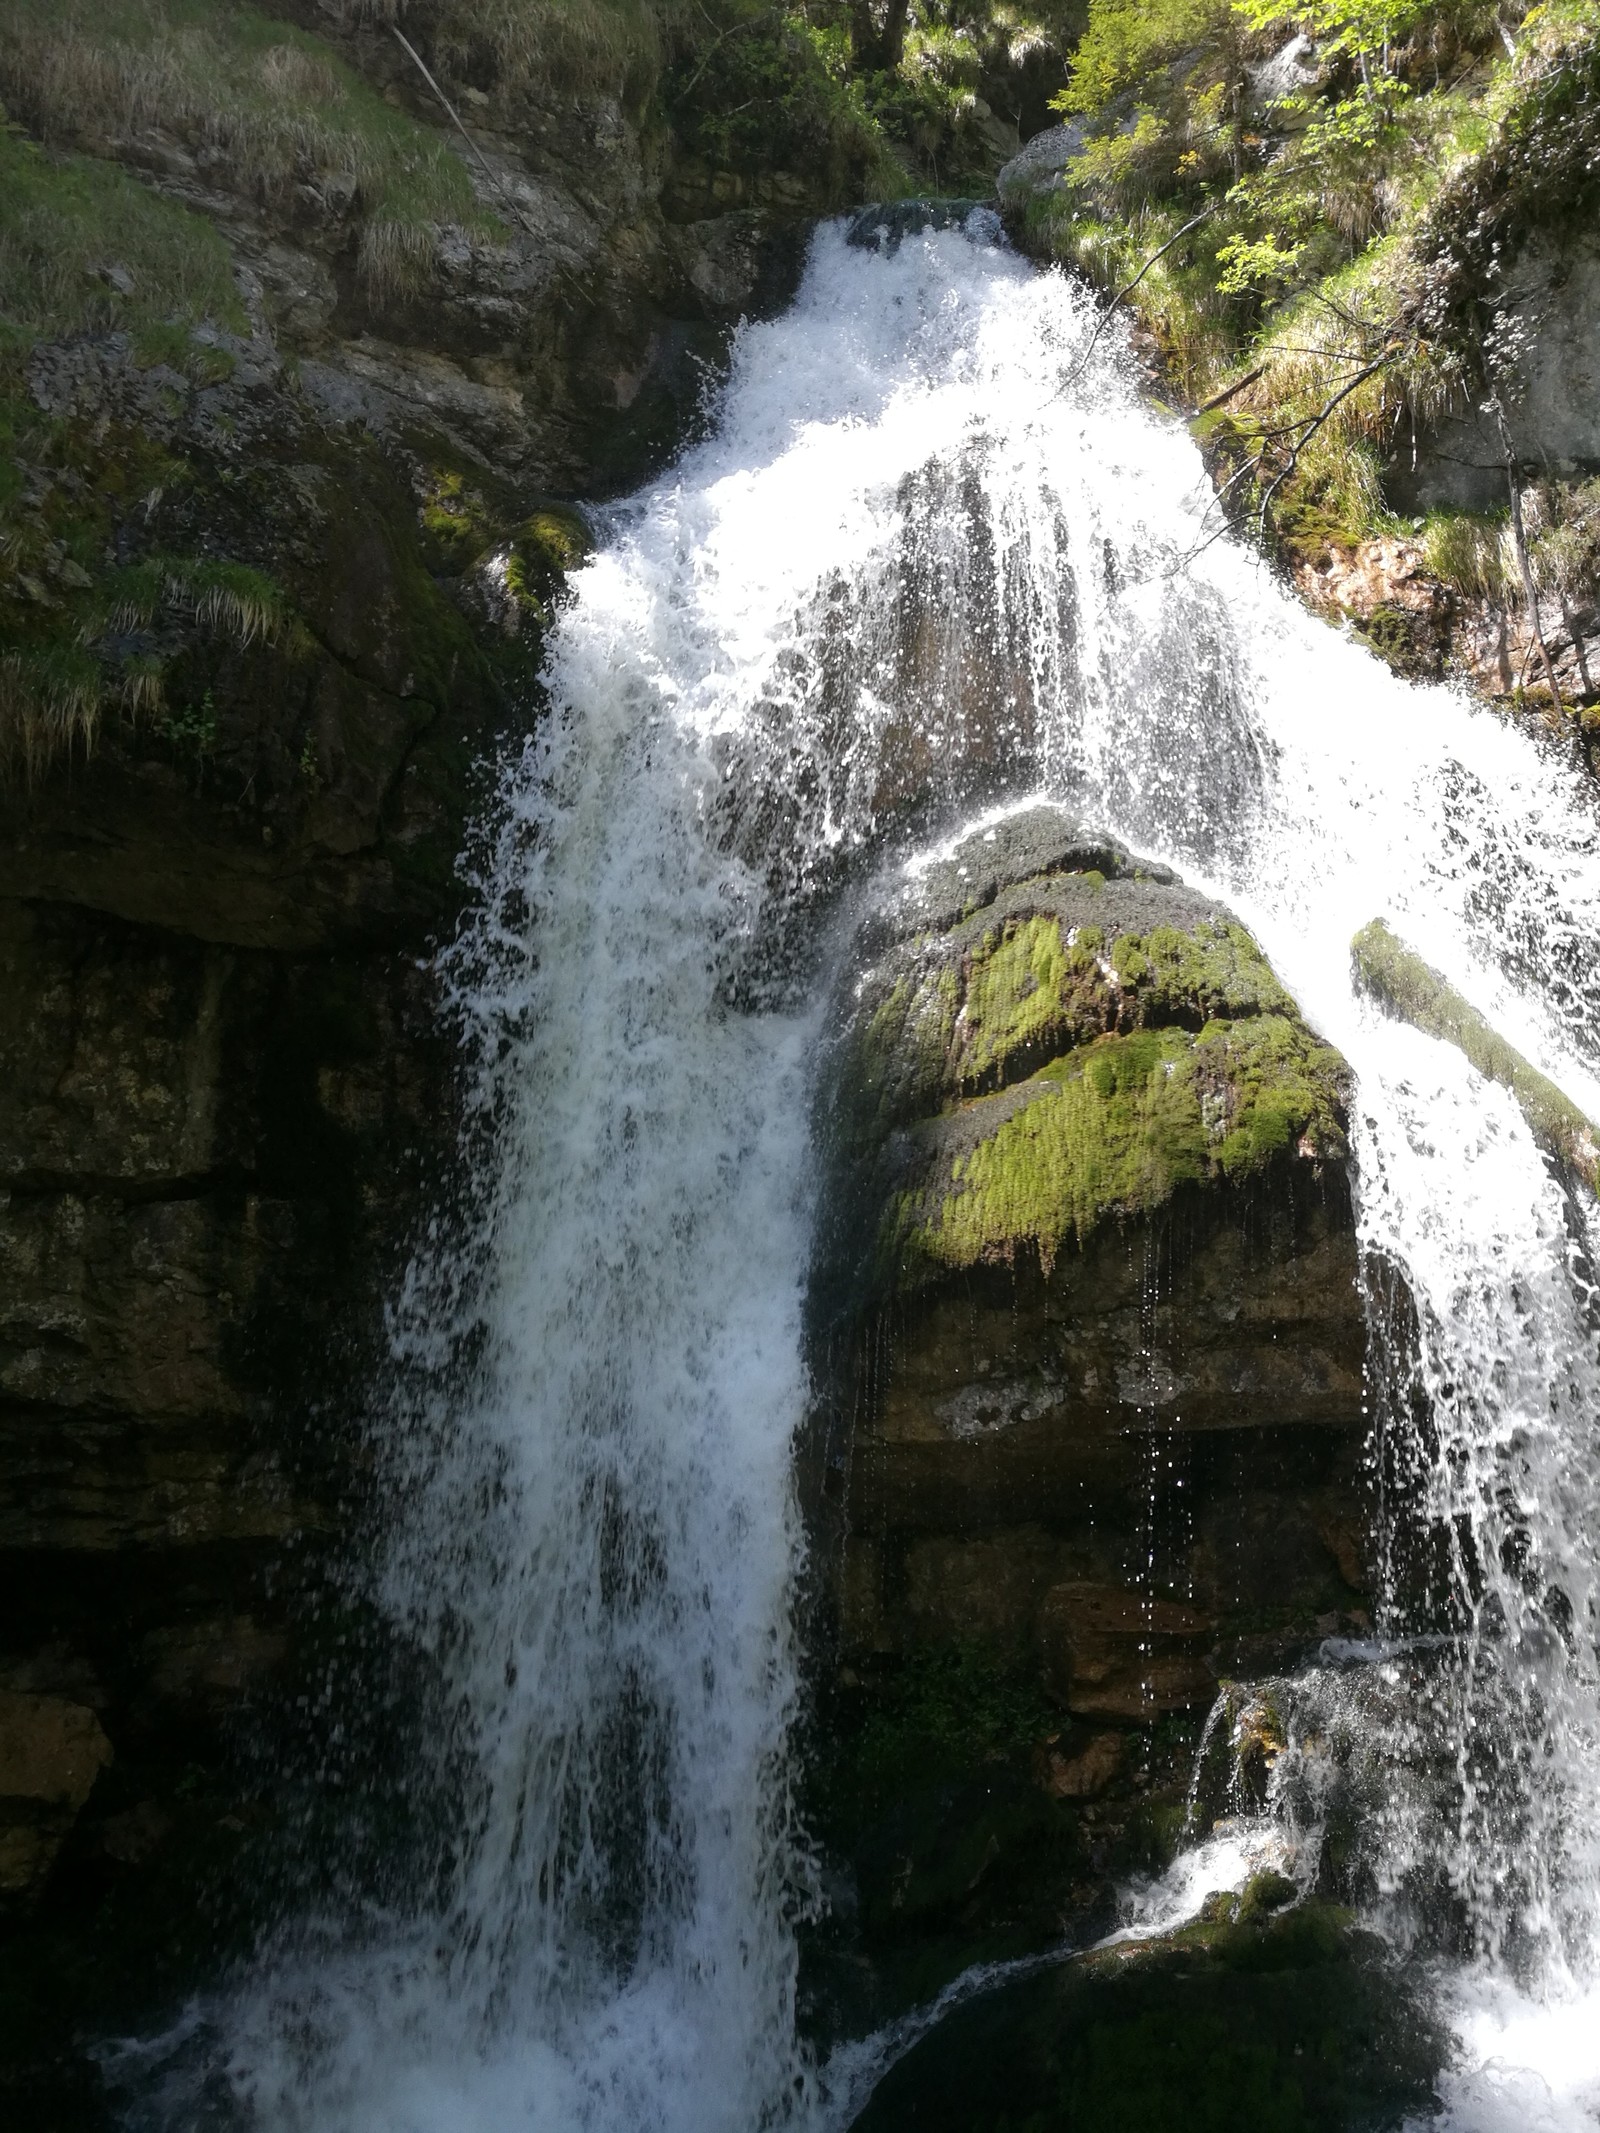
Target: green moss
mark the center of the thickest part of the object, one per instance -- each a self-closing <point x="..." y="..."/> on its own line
<point x="1211" y="969"/>
<point x="83" y="632"/>
<point x="1117" y="1126"/>
<point x="457" y="518"/>
<point x="898" y="1062"/>
<point x="1030" y="990"/>
<point x="545" y="548"/>
<point x="1015" y="992"/>
<point x="1274" y="1084"/>
<point x="1405" y="983"/>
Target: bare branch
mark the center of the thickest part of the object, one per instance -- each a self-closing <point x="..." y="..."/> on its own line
<point x="1228" y="392"/>
<point x="1311" y="428"/>
<point x="484" y="164"/>
<point x="1128" y="288"/>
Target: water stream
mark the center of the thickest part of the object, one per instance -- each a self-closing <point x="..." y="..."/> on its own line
<point x="928" y="552"/>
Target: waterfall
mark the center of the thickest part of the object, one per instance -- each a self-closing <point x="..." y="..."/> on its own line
<point x="938" y="555"/>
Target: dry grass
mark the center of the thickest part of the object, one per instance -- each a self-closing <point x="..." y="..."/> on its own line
<point x="1476" y="553"/>
<point x="510" y="45"/>
<point x="1339" y="373"/>
<point x="50" y="705"/>
<point x="263" y="106"/>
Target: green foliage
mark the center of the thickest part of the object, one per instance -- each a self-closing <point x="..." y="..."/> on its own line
<point x="1363" y="30"/>
<point x="773" y="87"/>
<point x="1127" y="41"/>
<point x="1471" y="551"/>
<point x="1350" y="232"/>
<point x="1534" y="167"/>
<point x="191" y="728"/>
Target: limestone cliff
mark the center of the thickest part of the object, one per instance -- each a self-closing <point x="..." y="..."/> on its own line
<point x="316" y="345"/>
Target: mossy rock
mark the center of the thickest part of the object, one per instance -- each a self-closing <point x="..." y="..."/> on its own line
<point x="1052" y="1036"/>
<point x="1291" y="2022"/>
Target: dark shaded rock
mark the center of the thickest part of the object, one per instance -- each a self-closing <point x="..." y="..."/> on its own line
<point x="886" y="227"/>
<point x="51" y="1752"/>
<point x="1284" y="2019"/>
<point x="210" y="1159"/>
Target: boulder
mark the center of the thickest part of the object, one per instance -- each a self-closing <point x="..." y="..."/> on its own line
<point x="1092" y="1350"/>
<point x="1038" y="165"/>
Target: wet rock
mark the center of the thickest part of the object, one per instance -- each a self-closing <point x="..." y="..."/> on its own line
<point x="1081" y="1776"/>
<point x="885" y="227"/>
<point x="1110" y="1651"/>
<point x="51" y="1752"/>
<point x="1399" y="977"/>
<point x="1547" y="299"/>
<point x="1272" y="2016"/>
<point x="1088" y="1319"/>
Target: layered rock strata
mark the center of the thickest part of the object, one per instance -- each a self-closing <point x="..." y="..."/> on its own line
<point x="1097" y="1352"/>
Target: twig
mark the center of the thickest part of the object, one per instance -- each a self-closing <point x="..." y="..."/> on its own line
<point x="1128" y="288"/>
<point x="1351" y="318"/>
<point x="484" y="164"/>
<point x="734" y="29"/>
<point x="1307" y="425"/>
<point x="1311" y="428"/>
<point x="1222" y="398"/>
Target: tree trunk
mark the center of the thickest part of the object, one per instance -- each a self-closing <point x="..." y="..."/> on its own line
<point x="878" y="47"/>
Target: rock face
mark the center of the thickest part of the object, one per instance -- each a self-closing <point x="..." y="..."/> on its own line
<point x="51" y="1752"/>
<point x="1548" y="305"/>
<point x="1272" y="2016"/>
<point x="207" y="1157"/>
<point x="1096" y="1344"/>
<point x="303" y="534"/>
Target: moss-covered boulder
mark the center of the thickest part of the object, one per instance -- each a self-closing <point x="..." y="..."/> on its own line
<point x="1033" y="1057"/>
<point x="1091" y="1350"/>
<point x="1280" y="2017"/>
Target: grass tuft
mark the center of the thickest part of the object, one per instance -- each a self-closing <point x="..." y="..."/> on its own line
<point x="263" y="107"/>
<point x="85" y="248"/>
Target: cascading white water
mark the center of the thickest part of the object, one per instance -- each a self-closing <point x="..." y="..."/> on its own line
<point x="931" y="554"/>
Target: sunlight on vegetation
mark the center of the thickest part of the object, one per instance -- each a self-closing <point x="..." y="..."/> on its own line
<point x="1342" y="162"/>
<point x="84" y="246"/>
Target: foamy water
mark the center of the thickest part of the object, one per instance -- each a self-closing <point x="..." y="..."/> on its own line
<point x="920" y="555"/>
